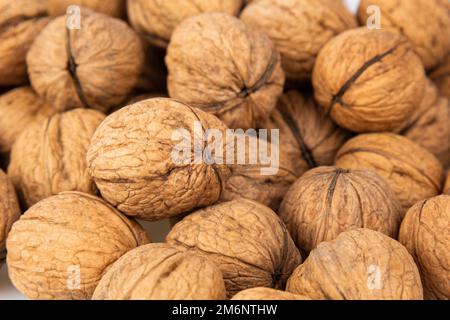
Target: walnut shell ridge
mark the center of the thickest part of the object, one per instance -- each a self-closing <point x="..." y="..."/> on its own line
<point x="9" y="211"/>
<point x="360" y="264"/>
<point x="218" y="64"/>
<point x="161" y="272"/>
<point x="61" y="247"/>
<point x="425" y="233"/>
<point x="114" y="8"/>
<point x="441" y="77"/>
<point x="368" y="80"/>
<point x="261" y="293"/>
<point x="245" y="239"/>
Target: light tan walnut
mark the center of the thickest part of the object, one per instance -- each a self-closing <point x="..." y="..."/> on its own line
<point x="261" y="293"/>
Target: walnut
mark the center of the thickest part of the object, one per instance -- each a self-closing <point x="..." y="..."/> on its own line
<point x="95" y="66"/>
<point x="161" y="272"/>
<point x="425" y="23"/>
<point x="299" y="28"/>
<point x="369" y="80"/>
<point x="131" y="160"/>
<point x="245" y="239"/>
<point x="307" y="136"/>
<point x="327" y="201"/>
<point x="219" y="65"/>
<point x="61" y="247"/>
<point x="447" y="185"/>
<point x="156" y="20"/>
<point x="412" y="172"/>
<point x="441" y="77"/>
<point x="360" y="264"/>
<point x="20" y="22"/>
<point x="261" y="293"/>
<point x="49" y="156"/>
<point x="19" y="108"/>
<point x="114" y="8"/>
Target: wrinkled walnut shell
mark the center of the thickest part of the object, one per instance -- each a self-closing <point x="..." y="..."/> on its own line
<point x="413" y="173"/>
<point x="9" y="211"/>
<point x="441" y="77"/>
<point x="369" y="80"/>
<point x="358" y="265"/>
<point x="50" y="156"/>
<point x="219" y="65"/>
<point x="261" y="293"/>
<point x="245" y="239"/>
<point x="161" y="272"/>
<point x="327" y="201"/>
<point x="63" y="235"/>
<point x="299" y="29"/>
<point x="114" y="8"/>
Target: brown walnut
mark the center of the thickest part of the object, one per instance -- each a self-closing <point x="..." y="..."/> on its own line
<point x="9" y="211"/>
<point x="299" y="29"/>
<point x="50" y="156"/>
<point x="360" y="264"/>
<point x="245" y="239"/>
<point x="261" y="293"/>
<point x="61" y="247"/>
<point x="161" y="272"/>
<point x="95" y="66"/>
<point x="369" y="80"/>
<point x="219" y="65"/>
<point x="425" y="233"/>
<point x="441" y="77"/>
<point x="114" y="8"/>
<point x="413" y="173"/>
<point x="327" y="201"/>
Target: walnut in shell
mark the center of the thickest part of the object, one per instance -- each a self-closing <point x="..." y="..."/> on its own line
<point x="114" y="8"/>
<point x="131" y="159"/>
<point x="360" y="264"/>
<point x="327" y="201"/>
<point x="50" y="156"/>
<point x="9" y="211"/>
<point x="299" y="29"/>
<point x="95" y="66"/>
<point x="61" y="247"/>
<point x="425" y="233"/>
<point x="245" y="239"/>
<point x="441" y="77"/>
<point x="261" y="293"/>
<point x="218" y="64"/>
<point x="20" y="23"/>
<point x="369" y="80"/>
<point x="413" y="173"/>
<point x="161" y="272"/>
<point x="19" y="108"/>
<point x="426" y="24"/>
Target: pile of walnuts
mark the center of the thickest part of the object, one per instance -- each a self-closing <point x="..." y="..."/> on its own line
<point x="117" y="111"/>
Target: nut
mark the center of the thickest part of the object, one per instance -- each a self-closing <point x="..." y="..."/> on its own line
<point x="261" y="293"/>
<point x="369" y="80"/>
<point x="299" y="29"/>
<point x="161" y="272"/>
<point x="131" y="160"/>
<point x="327" y="201"/>
<point x="9" y="211"/>
<point x="19" y="109"/>
<point x="156" y="20"/>
<point x="425" y="23"/>
<point x="114" y="8"/>
<point x="425" y="233"/>
<point x="412" y="172"/>
<point x="95" y="66"/>
<point x="61" y="247"/>
<point x="441" y="77"/>
<point x="49" y="156"/>
<point x="219" y="65"/>
<point x="358" y="264"/>
<point x="20" y="22"/>
<point x="245" y="239"/>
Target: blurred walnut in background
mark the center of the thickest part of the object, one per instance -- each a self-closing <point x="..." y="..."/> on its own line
<point x="447" y="185"/>
<point x="114" y="8"/>
<point x="441" y="77"/>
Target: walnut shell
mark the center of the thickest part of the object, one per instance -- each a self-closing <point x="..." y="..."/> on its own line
<point x="114" y="8"/>
<point x="9" y="210"/>
<point x="441" y="77"/>
<point x="50" y="156"/>
<point x="131" y="160"/>
<point x="61" y="247"/>
<point x="307" y="136"/>
<point x="96" y="66"/>
<point x="412" y="172"/>
<point x="245" y="239"/>
<point x="425" y="233"/>
<point x="327" y="201"/>
<point x="299" y="29"/>
<point x="369" y="80"/>
<point x="261" y="293"/>
<point x="161" y="272"/>
<point x="20" y="22"/>
<point x="219" y="65"/>
<point x="156" y="20"/>
<point x="447" y="185"/>
<point x="20" y="108"/>
<point x="425" y="23"/>
<point x="360" y="264"/>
